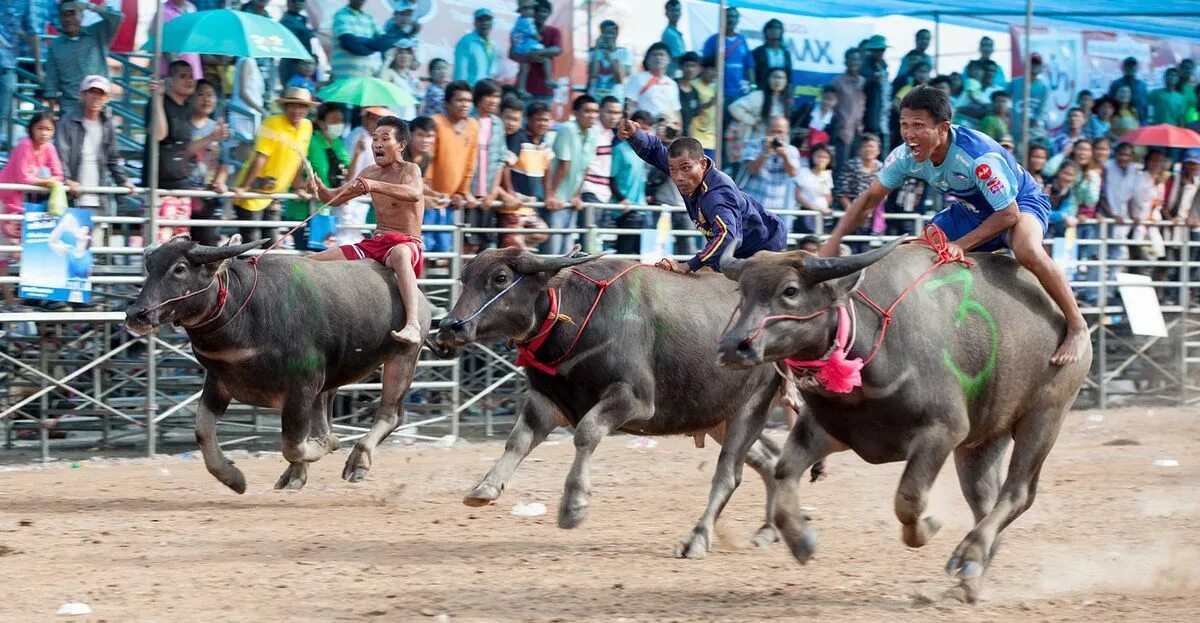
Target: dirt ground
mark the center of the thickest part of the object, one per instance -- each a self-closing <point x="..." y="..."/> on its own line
<point x="1111" y="537"/>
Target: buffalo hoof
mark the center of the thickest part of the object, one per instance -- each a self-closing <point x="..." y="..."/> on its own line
<point x="482" y="495"/>
<point x="920" y="533"/>
<point x="570" y="516"/>
<point x="804" y="546"/>
<point x="357" y="465"/>
<point x="695" y="546"/>
<point x="966" y="592"/>
<point x="765" y="536"/>
<point x="231" y="477"/>
<point x="293" y="477"/>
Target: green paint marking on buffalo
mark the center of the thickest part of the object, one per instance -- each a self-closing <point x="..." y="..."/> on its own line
<point x="302" y="292"/>
<point x="971" y="385"/>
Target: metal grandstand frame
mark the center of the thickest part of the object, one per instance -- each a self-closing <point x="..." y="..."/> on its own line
<point x="80" y="371"/>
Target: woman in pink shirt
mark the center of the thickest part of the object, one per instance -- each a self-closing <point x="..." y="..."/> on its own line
<point x="33" y="161"/>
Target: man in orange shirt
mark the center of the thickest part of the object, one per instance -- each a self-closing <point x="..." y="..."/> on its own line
<point x="455" y="151"/>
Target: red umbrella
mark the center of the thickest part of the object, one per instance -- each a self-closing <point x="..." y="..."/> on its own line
<point x="1163" y="135"/>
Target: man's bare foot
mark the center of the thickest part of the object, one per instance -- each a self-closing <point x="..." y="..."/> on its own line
<point x="410" y="334"/>
<point x="1073" y="346"/>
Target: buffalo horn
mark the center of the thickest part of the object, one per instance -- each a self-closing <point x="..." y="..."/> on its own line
<point x="201" y="255"/>
<point x="731" y="266"/>
<point x="529" y="263"/>
<point x="818" y="269"/>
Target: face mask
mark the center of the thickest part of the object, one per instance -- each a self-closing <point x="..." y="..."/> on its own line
<point x="335" y="129"/>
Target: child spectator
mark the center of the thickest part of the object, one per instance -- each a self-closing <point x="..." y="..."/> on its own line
<point x="526" y="40"/>
<point x="435" y="95"/>
<point x="34" y="161"/>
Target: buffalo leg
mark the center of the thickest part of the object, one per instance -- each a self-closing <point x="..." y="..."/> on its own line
<point x="927" y="454"/>
<point x="533" y="425"/>
<point x="739" y="437"/>
<point x="397" y="378"/>
<point x="806" y="445"/>
<point x="979" y="474"/>
<point x="213" y="403"/>
<point x="1034" y="436"/>
<point x="763" y="456"/>
<point x="317" y="429"/>
<point x="617" y="405"/>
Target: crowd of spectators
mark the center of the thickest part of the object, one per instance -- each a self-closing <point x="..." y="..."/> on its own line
<point x="489" y="149"/>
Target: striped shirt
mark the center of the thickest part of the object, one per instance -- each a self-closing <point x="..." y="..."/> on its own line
<point x="347" y="21"/>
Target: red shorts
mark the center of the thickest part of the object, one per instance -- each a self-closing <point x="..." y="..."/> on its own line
<point x="379" y="247"/>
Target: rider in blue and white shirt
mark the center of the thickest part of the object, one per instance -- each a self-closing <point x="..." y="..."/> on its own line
<point x="999" y="204"/>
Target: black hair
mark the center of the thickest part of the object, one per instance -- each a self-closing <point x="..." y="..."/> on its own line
<point x="41" y="115"/>
<point x="655" y="47"/>
<point x="710" y="62"/>
<point x="786" y="96"/>
<point x="175" y="65"/>
<point x="820" y="147"/>
<point x="773" y="22"/>
<point x="642" y="116"/>
<point x="996" y="94"/>
<point x="809" y="239"/>
<point x="422" y="123"/>
<point x="545" y="4"/>
<point x="609" y="99"/>
<point x="829" y="88"/>
<point x="204" y="82"/>
<point x="402" y="133"/>
<point x="436" y="61"/>
<point x="1120" y="146"/>
<point x="940" y="79"/>
<point x="689" y="57"/>
<point x="454" y="87"/>
<point x="328" y="107"/>
<point x="686" y="146"/>
<point x="670" y="2"/>
<point x="511" y="102"/>
<point x="484" y="88"/>
<point x="581" y="101"/>
<point x="536" y="108"/>
<point x="930" y="99"/>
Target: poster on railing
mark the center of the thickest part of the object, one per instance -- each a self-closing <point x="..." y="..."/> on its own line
<point x="56" y="256"/>
<point x="1141" y="305"/>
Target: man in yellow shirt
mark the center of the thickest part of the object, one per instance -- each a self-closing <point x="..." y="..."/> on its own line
<point x="279" y="150"/>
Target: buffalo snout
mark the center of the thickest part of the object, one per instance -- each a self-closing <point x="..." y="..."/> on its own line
<point x="137" y="318"/>
<point x="735" y="351"/>
<point x="452" y="332"/>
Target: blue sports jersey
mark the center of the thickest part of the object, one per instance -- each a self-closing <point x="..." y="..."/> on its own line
<point x="977" y="170"/>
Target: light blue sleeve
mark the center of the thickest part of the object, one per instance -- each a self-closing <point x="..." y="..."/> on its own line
<point x="895" y="168"/>
<point x="995" y="180"/>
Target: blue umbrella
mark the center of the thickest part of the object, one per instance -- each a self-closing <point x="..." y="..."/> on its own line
<point x="229" y="33"/>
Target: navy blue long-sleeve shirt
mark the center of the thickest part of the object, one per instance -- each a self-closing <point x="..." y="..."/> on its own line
<point x="719" y="210"/>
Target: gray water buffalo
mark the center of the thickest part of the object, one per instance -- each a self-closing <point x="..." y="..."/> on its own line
<point x="962" y="368"/>
<point x="285" y="333"/>
<point x="641" y="363"/>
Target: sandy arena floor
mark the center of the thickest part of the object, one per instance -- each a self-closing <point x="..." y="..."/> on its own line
<point x="1111" y="537"/>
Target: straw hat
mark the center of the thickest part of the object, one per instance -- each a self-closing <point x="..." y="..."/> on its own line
<point x="296" y="95"/>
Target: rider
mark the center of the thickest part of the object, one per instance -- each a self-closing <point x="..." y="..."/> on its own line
<point x="1000" y="204"/>
<point x="719" y="209"/>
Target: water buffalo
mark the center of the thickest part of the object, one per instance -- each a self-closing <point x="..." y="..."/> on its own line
<point x="643" y="365"/>
<point x="285" y="333"/>
<point x="962" y="368"/>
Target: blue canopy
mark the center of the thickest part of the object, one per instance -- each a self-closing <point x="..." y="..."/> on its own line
<point x="1167" y="19"/>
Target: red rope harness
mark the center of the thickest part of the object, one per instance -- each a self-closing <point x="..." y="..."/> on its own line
<point x="527" y="351"/>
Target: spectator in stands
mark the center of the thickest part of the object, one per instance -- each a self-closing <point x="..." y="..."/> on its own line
<point x="751" y="113"/>
<point x="912" y="58"/>
<point x="249" y="97"/>
<point x="851" y="103"/>
<point x="854" y="178"/>
<point x="814" y="185"/>
<point x="919" y="75"/>
<point x="1138" y="91"/>
<point x="1126" y="118"/>
<point x="653" y="90"/>
<point x="1038" y="155"/>
<point x="986" y="48"/>
<point x="539" y="83"/>
<point x="209" y="166"/>
<point x="1071" y="132"/>
<point x="629" y="178"/>
<point x="455" y="153"/>
<point x="404" y="24"/>
<point x="1187" y="83"/>
<point x="771" y="54"/>
<point x="295" y="21"/>
<point x="703" y="126"/>
<point x="609" y="65"/>
<point x="475" y="56"/>
<point x="78" y="52"/>
<point x="399" y="70"/>
<point x="1086" y="189"/>
<point x="598" y="177"/>
<point x="672" y="37"/>
<point x="970" y="104"/>
<point x="360" y="141"/>
<point x="987" y="80"/>
<point x="419" y="151"/>
<point x="1149" y="198"/>
<point x="304" y="75"/>
<point x="771" y="166"/>
<point x="1167" y="104"/>
<point x="1062" y="199"/>
<point x="330" y="160"/>
<point x="16" y="24"/>
<point x="1100" y="123"/>
<point x="280" y="146"/>
<point x="357" y="42"/>
<point x="1183" y="199"/>
<point x="816" y="124"/>
<point x="167" y="118"/>
<point x="170" y="10"/>
<point x="739" y="59"/>
<point x="574" y="148"/>
<point x="527" y="175"/>
<point x="86" y="140"/>
<point x="1193" y="113"/>
<point x="435" y="100"/>
<point x="489" y="164"/>
<point x="1121" y="178"/>
<point x="34" y="161"/>
<point x="689" y="97"/>
<point x="997" y="122"/>
<point x="1085" y="101"/>
<point x="1039" y="96"/>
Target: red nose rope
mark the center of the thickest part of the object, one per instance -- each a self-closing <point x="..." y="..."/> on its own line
<point x="527" y="350"/>
<point x="836" y="371"/>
